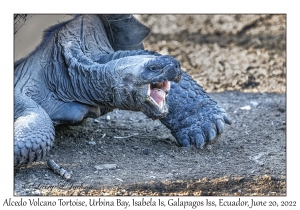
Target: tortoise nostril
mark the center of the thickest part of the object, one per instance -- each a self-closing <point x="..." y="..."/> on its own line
<point x="177" y="78"/>
<point x="177" y="64"/>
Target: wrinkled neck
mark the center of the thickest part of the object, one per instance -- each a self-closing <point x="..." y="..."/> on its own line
<point x="94" y="87"/>
<point x="90" y="84"/>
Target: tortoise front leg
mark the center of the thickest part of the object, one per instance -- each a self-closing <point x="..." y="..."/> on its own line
<point x="194" y="118"/>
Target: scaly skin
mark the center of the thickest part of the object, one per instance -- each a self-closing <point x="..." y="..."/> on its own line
<point x="64" y="82"/>
<point x="193" y="118"/>
<point x="33" y="131"/>
<point x="76" y="74"/>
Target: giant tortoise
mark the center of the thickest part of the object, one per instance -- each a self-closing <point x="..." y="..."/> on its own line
<point x="92" y="64"/>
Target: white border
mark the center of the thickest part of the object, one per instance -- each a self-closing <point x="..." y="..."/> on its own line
<point x="150" y="6"/>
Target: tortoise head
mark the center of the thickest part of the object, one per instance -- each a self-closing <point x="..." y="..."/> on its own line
<point x="144" y="83"/>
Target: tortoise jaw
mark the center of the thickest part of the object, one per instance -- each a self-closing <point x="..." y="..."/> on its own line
<point x="155" y="105"/>
<point x="158" y="92"/>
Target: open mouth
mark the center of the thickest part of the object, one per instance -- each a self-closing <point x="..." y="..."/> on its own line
<point x="157" y="93"/>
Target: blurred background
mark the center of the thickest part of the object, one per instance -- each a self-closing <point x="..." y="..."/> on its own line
<point x="224" y="52"/>
<point x="221" y="52"/>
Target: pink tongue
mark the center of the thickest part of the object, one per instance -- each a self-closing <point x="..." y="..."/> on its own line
<point x="157" y="95"/>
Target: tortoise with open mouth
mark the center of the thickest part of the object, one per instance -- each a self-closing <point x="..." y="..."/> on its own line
<point x="92" y="64"/>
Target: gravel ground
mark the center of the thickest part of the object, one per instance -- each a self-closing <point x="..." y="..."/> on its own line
<point x="224" y="52"/>
<point x="241" y="61"/>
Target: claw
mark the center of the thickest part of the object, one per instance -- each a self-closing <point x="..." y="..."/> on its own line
<point x="199" y="141"/>
<point x="220" y="126"/>
<point x="210" y="130"/>
<point x="185" y="143"/>
<point x="226" y="119"/>
<point x="212" y="134"/>
<point x="197" y="137"/>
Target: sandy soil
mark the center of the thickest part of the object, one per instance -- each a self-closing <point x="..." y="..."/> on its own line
<point x="240" y="60"/>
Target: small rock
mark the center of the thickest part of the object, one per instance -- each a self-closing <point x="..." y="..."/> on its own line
<point x="106" y="167"/>
<point x="96" y="121"/>
<point x="282" y="110"/>
<point x="107" y="117"/>
<point x="260" y="163"/>
<point x="92" y="143"/>
<point x="146" y="151"/>
<point x="254" y="103"/>
<point x="245" y="108"/>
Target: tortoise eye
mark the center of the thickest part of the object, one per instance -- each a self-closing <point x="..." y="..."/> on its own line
<point x="153" y="68"/>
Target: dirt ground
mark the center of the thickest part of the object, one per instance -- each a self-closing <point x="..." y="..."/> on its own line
<point x="241" y="61"/>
